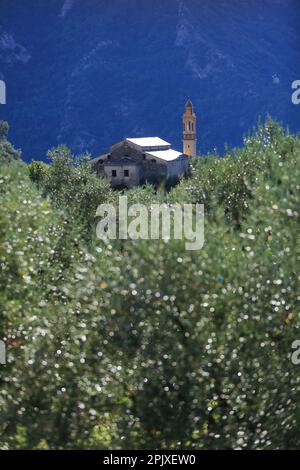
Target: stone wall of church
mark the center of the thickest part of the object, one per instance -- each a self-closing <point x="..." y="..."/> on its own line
<point x="149" y="170"/>
<point x="122" y="175"/>
<point x="153" y="171"/>
<point x="118" y="152"/>
<point x="178" y="167"/>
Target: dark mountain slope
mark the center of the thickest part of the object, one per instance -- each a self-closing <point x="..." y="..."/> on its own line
<point x="89" y="73"/>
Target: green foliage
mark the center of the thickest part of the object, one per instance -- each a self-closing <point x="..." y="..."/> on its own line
<point x="73" y="187"/>
<point x="4" y="128"/>
<point x="147" y="345"/>
<point x="37" y="171"/>
<point x="7" y="151"/>
<point x="229" y="181"/>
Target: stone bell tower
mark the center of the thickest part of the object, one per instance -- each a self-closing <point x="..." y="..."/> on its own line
<point x="189" y="130"/>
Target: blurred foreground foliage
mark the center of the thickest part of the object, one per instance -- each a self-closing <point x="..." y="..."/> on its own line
<point x="144" y="344"/>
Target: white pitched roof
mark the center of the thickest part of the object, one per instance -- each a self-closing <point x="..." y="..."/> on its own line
<point x="148" y="141"/>
<point x="167" y="155"/>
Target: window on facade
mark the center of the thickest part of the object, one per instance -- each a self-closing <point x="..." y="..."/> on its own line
<point x="113" y="173"/>
<point x="153" y="160"/>
<point x="126" y="172"/>
<point x="108" y="157"/>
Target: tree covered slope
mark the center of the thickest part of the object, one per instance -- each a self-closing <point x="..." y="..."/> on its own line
<point x="142" y="344"/>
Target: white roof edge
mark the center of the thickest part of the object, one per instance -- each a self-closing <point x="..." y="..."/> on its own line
<point x="148" y="141"/>
<point x="165" y="155"/>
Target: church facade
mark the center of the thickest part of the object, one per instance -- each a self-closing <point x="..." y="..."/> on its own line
<point x="135" y="161"/>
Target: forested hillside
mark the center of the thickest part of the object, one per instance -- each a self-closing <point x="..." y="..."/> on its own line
<point x="89" y="73"/>
<point x="142" y="344"/>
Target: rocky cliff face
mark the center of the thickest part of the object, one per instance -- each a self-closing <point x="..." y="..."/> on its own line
<point x="90" y="73"/>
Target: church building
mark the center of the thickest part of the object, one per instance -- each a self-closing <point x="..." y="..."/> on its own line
<point x="134" y="161"/>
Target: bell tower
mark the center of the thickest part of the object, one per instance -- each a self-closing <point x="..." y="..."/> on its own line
<point x="189" y="130"/>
